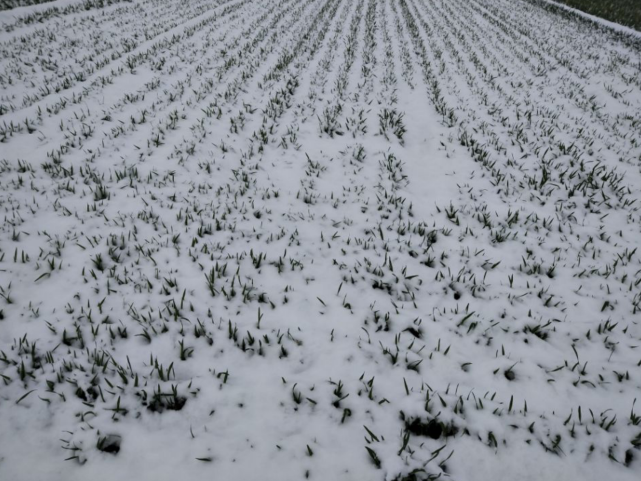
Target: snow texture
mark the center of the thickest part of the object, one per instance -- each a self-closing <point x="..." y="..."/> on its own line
<point x="331" y="240"/>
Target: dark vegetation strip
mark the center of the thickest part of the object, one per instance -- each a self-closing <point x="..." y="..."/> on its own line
<point x="624" y="12"/>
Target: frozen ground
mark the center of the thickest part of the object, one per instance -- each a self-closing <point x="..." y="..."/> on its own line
<point x="334" y="240"/>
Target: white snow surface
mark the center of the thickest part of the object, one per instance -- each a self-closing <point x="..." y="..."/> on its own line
<point x="331" y="240"/>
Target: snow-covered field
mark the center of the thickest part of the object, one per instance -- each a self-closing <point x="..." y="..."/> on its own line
<point x="324" y="239"/>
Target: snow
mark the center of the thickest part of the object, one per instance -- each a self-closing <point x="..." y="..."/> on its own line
<point x="292" y="239"/>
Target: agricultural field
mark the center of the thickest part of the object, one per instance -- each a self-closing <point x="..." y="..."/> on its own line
<point x="318" y="239"/>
